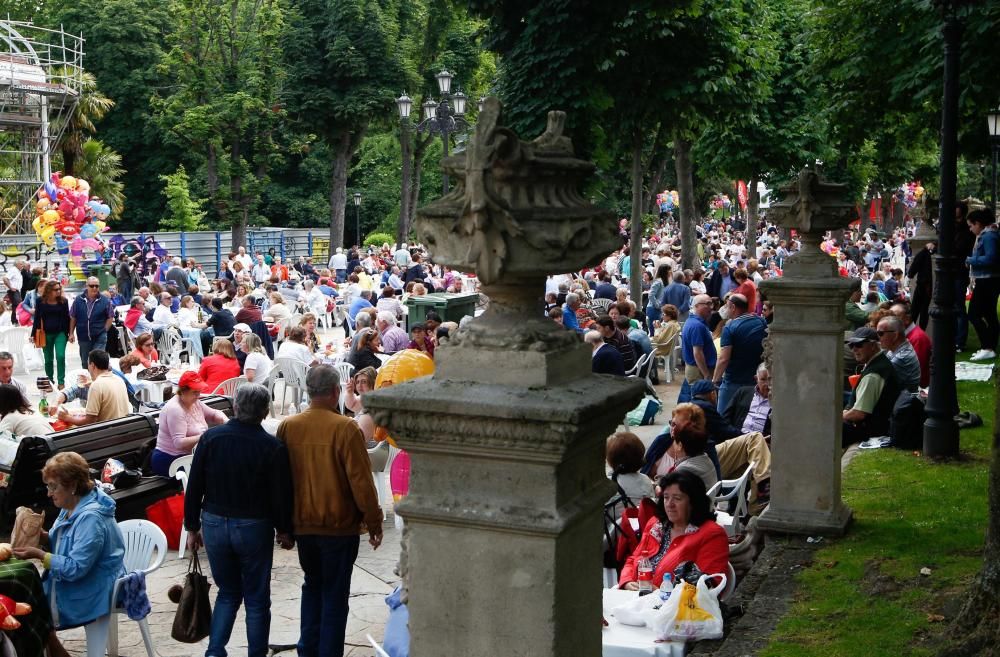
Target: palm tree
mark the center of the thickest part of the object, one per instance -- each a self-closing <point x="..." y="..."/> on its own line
<point x="102" y="168"/>
<point x="73" y="128"/>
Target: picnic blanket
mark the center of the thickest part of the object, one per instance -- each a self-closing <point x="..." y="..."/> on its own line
<point x="965" y="371"/>
<point x="19" y="581"/>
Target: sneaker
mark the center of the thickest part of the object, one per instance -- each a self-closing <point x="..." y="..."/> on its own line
<point x="983" y="354"/>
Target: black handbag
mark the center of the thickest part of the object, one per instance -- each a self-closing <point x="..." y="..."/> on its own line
<point x="193" y="619"/>
<point x="154" y="373"/>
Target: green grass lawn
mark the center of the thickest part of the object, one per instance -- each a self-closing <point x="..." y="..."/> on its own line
<point x="864" y="594"/>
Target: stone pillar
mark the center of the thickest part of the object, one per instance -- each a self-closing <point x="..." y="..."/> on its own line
<point x="503" y="522"/>
<point x="806" y="367"/>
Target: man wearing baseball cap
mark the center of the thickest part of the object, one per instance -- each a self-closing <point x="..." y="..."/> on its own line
<point x="875" y="393"/>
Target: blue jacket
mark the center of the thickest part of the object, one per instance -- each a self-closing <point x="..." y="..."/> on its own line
<point x="92" y="326"/>
<point x="985" y="259"/>
<point x="88" y="556"/>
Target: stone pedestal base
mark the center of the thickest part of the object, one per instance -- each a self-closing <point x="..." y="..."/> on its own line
<point x="503" y="518"/>
<point x="807" y="401"/>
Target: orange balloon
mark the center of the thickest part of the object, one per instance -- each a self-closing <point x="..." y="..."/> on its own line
<point x="402" y="366"/>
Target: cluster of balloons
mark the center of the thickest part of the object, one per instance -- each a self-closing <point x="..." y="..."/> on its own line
<point x="721" y="202"/>
<point x="403" y="366"/>
<point x="909" y="194"/>
<point x="68" y="218"/>
<point x="667" y="200"/>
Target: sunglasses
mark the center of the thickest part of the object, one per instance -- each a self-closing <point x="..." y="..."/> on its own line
<point x="883" y="332"/>
<point x="89" y="285"/>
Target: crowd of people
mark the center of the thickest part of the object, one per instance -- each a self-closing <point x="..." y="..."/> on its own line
<point x="717" y="319"/>
<point x="712" y="316"/>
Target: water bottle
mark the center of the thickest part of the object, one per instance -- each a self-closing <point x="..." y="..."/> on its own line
<point x="645" y="569"/>
<point x="43" y="407"/>
<point x="667" y="586"/>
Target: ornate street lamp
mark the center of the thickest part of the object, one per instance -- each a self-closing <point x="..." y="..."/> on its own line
<point x="357" y="216"/>
<point x="993" y="126"/>
<point x="404" y="104"/>
<point x="481" y="104"/>
<point x="940" y="431"/>
<point x="443" y="118"/>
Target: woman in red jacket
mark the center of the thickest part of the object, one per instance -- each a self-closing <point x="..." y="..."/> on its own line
<point x="684" y="529"/>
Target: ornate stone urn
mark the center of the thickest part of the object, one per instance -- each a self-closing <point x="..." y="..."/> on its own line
<point x="506" y="439"/>
<point x="514" y="216"/>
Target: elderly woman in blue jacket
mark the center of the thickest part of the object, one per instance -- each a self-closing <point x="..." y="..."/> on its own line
<point x="984" y="265"/>
<point x="87" y="553"/>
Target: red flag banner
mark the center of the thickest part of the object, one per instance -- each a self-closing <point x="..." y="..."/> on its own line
<point x="741" y="194"/>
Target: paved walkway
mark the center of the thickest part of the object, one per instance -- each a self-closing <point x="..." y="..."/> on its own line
<point x="372" y="580"/>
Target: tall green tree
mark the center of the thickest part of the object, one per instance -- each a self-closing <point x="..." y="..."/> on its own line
<point x="102" y="168"/>
<point x="342" y="72"/>
<point x="185" y="213"/>
<point x="124" y="47"/>
<point x="226" y="68"/>
<point x="76" y="126"/>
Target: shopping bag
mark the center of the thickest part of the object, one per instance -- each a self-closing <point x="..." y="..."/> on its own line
<point x="27" y="530"/>
<point x="193" y="618"/>
<point x="692" y="613"/>
<point x="40" y="335"/>
<point x="168" y="515"/>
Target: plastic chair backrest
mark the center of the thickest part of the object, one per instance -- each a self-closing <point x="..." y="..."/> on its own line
<point x="345" y="370"/>
<point x="379" y="456"/>
<point x="730" y="583"/>
<point x="738" y="491"/>
<point x="229" y="386"/>
<point x="292" y="371"/>
<point x="180" y="467"/>
<point x="639" y="364"/>
<point x="143" y="540"/>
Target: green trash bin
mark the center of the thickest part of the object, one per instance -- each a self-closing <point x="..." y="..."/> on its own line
<point x="103" y="274"/>
<point x="452" y="307"/>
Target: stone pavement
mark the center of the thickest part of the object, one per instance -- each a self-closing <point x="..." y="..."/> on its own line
<point x="372" y="580"/>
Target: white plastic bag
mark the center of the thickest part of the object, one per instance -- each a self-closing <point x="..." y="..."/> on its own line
<point x="640" y="611"/>
<point x="691" y="613"/>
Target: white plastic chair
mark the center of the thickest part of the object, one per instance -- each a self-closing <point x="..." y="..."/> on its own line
<point x="639" y="364"/>
<point x="379" y="652"/>
<point x="292" y="374"/>
<point x="179" y="470"/>
<point x="381" y="457"/>
<point x="229" y="386"/>
<point x="145" y="550"/>
<point x="730" y="583"/>
<point x="16" y="339"/>
<point x="170" y="347"/>
<point x="345" y="370"/>
<point x="734" y="505"/>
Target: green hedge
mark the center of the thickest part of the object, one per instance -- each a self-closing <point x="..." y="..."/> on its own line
<point x="378" y="239"/>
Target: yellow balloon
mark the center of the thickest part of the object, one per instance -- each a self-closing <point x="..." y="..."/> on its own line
<point x="50" y="217"/>
<point x="402" y="366"/>
<point x="67" y="182"/>
<point x="42" y="205"/>
<point x="82" y="185"/>
<point x="48" y="235"/>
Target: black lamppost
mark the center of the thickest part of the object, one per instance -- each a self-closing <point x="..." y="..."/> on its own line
<point x="404" y="104"/>
<point x="940" y="430"/>
<point x="993" y="126"/>
<point x="443" y="119"/>
<point x="357" y="216"/>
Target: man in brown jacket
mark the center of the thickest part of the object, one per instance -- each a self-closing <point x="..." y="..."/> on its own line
<point x="335" y="501"/>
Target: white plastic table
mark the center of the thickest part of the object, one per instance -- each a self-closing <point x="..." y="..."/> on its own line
<point x="629" y="641"/>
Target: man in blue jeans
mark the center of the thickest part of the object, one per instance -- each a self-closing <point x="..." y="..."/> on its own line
<point x="90" y="317"/>
<point x="238" y="500"/>
<point x="335" y="500"/>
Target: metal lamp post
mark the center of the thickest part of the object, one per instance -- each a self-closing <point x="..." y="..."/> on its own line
<point x="940" y="431"/>
<point x="404" y="104"/>
<point x="993" y="126"/>
<point x="442" y="118"/>
<point x="357" y="216"/>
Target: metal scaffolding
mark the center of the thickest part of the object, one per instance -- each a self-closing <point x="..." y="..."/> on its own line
<point x="41" y="76"/>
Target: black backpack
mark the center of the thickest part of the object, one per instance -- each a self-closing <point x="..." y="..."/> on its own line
<point x="906" y="426"/>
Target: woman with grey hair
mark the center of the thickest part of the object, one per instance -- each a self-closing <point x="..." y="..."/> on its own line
<point x="239" y="494"/>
